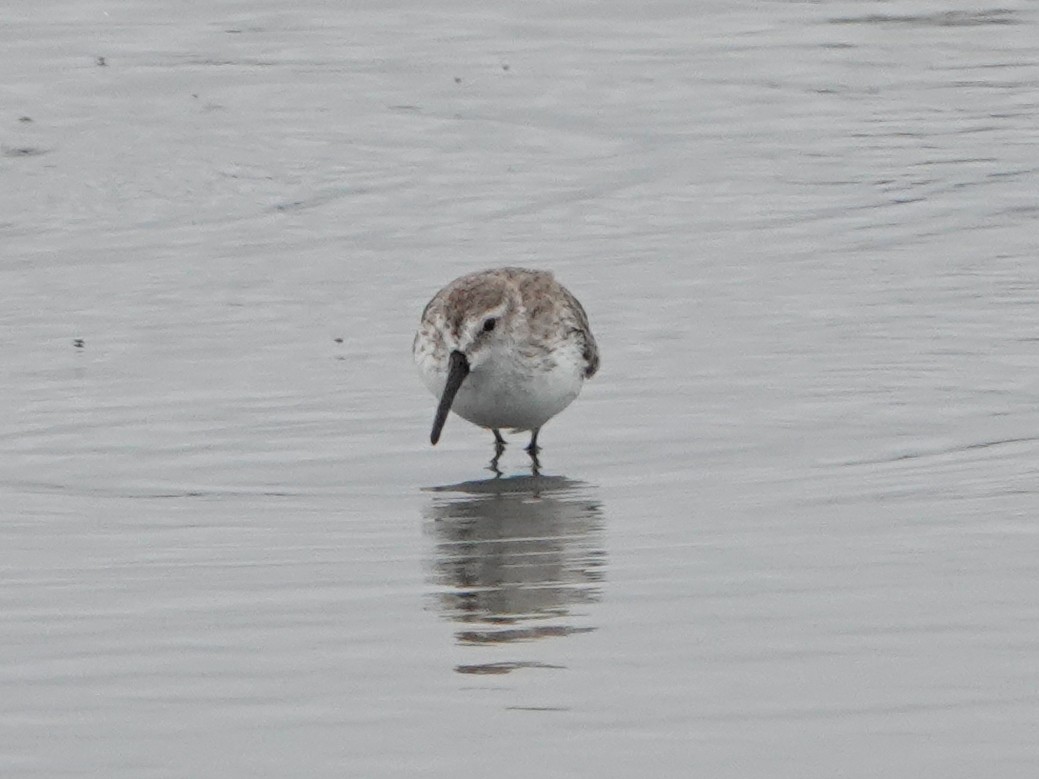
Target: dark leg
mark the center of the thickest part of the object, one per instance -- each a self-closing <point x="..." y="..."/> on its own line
<point x="532" y="450"/>
<point x="499" y="447"/>
<point x="532" y="447"/>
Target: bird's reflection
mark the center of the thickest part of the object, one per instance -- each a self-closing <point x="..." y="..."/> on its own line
<point x="515" y="560"/>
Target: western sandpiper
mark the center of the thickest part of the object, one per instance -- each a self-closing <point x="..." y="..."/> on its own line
<point x="504" y="348"/>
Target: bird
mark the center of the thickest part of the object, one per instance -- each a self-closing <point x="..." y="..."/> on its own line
<point x="504" y="348"/>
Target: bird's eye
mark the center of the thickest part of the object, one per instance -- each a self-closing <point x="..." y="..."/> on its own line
<point x="489" y="323"/>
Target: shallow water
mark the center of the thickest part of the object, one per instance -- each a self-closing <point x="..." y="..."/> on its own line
<point x="788" y="530"/>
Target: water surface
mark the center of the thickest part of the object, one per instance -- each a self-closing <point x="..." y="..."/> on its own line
<point x="788" y="530"/>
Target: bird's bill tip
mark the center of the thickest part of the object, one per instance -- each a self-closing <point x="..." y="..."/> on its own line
<point x="458" y="369"/>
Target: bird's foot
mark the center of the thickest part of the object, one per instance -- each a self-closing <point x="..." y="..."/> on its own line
<point x="532" y="450"/>
<point x="499" y="448"/>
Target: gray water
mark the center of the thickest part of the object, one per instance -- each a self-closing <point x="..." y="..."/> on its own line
<point x="789" y="530"/>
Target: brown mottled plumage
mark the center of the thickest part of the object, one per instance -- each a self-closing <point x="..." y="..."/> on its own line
<point x="505" y="348"/>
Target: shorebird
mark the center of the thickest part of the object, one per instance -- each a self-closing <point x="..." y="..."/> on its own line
<point x="506" y="348"/>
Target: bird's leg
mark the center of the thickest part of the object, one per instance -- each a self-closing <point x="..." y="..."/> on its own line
<point x="533" y="449"/>
<point x="499" y="447"/>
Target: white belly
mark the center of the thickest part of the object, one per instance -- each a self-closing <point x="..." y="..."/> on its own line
<point x="506" y="395"/>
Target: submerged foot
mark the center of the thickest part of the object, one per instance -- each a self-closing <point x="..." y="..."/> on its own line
<point x="499" y="447"/>
<point x="532" y="450"/>
<point x="532" y="447"/>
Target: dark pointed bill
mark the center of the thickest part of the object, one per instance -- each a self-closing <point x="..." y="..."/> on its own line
<point x="458" y="369"/>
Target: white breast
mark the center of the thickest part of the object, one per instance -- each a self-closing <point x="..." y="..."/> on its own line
<point x="506" y="392"/>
